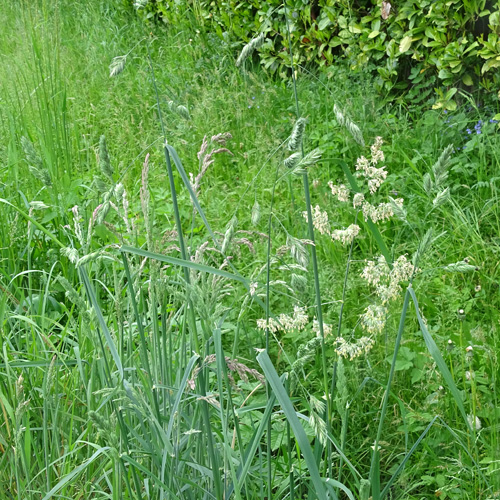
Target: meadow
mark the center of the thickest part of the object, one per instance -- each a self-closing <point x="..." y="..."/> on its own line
<point x="218" y="282"/>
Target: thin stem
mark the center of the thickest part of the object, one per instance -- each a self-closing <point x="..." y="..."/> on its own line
<point x="317" y="289"/>
<point x="268" y="311"/>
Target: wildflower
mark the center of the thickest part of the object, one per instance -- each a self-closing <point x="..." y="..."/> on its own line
<point x="297" y="321"/>
<point x="388" y="293"/>
<point x="271" y="324"/>
<point x="450" y="345"/>
<point x="368" y="210"/>
<point x="377" y="177"/>
<point x="346" y="236"/>
<point x="341" y="192"/>
<point x="382" y="212"/>
<point x="402" y="269"/>
<point x="478" y="288"/>
<point x="362" y="164"/>
<point x="469" y="352"/>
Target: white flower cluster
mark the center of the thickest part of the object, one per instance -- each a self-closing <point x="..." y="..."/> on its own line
<point x="358" y="200"/>
<point x="320" y="220"/>
<point x="341" y="191"/>
<point x="367" y="168"/>
<point x="353" y="350"/>
<point x="322" y="224"/>
<point x="377" y="153"/>
<point x="345" y="236"/>
<point x="286" y="323"/>
<point x="382" y="212"/>
<point x="387" y="286"/>
<point x="327" y="329"/>
<point x="373" y="319"/>
<point x="387" y="281"/>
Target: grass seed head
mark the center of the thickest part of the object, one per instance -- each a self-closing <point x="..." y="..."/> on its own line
<point x="249" y="48"/>
<point x="117" y="65"/>
<point x="295" y="140"/>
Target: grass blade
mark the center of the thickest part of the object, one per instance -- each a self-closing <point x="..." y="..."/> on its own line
<point x="100" y="319"/>
<point x="68" y="477"/>
<point x="180" y="392"/>
<point x="407" y="457"/>
<point x="331" y="483"/>
<point x="436" y="355"/>
<point x="300" y="434"/>
<point x="183" y="263"/>
<point x="192" y="194"/>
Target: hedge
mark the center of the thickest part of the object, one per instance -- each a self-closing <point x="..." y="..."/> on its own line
<point x="419" y="44"/>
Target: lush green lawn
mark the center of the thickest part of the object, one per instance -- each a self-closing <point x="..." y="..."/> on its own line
<point x="115" y="321"/>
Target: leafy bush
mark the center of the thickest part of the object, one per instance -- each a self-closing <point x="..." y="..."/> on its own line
<point x="423" y="43"/>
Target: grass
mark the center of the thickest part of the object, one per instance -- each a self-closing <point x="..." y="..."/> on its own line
<point x="130" y="301"/>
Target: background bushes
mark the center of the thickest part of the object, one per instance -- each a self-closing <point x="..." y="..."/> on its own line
<point x="411" y="45"/>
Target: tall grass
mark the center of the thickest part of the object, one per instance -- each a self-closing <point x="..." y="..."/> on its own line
<point x="132" y="365"/>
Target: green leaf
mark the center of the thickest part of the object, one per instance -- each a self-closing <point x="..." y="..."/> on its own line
<point x="490" y="63"/>
<point x="467" y="80"/>
<point x="334" y="483"/>
<point x="180" y="392"/>
<point x="324" y="23"/>
<point x="405" y="44"/>
<point x="192" y="194"/>
<point x="407" y="457"/>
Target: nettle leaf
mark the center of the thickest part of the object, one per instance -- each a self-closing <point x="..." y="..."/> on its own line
<point x="404" y="360"/>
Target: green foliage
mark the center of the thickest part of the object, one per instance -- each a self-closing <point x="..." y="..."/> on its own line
<point x="130" y="368"/>
<point x="422" y="44"/>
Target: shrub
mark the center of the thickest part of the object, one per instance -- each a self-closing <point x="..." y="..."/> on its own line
<point x="417" y="43"/>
